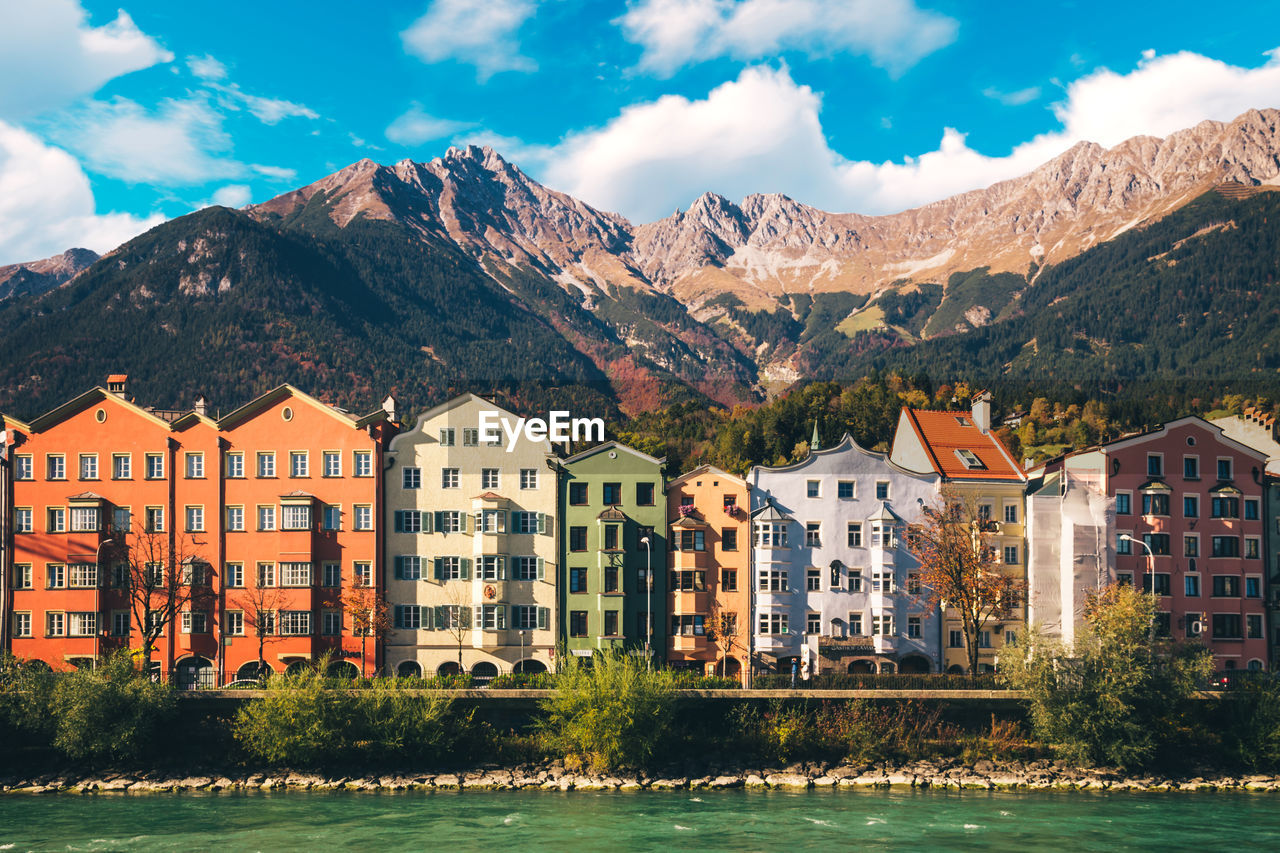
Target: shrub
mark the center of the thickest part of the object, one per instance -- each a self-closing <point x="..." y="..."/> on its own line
<point x="523" y="681"/>
<point x="26" y="694"/>
<point x="112" y="713"/>
<point x="1249" y="719"/>
<point x="685" y="680"/>
<point x="609" y="714"/>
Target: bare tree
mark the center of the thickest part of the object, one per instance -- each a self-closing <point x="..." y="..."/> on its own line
<point x="261" y="603"/>
<point x="959" y="567"/>
<point x="164" y="576"/>
<point x="722" y="629"/>
<point x="368" y="613"/>
<point x="455" y="617"/>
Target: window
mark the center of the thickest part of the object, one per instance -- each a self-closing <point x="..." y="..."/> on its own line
<point x="56" y="520"/>
<point x="882" y="536"/>
<point x="969" y="458"/>
<point x="1010" y="513"/>
<point x="470" y="437"/>
<point x="56" y="467"/>
<point x="1163" y="624"/>
<point x="1157" y="542"/>
<point x="689" y="540"/>
<point x="82" y="624"/>
<point x="266" y="464"/>
<point x="955" y="639"/>
<point x="577" y="579"/>
<point x="528" y="478"/>
<point x="88" y="466"/>
<point x="195" y="622"/>
<point x="235" y="518"/>
<point x="1224" y="469"/>
<point x="1253" y="626"/>
<point x="577" y="538"/>
<point x="882" y="490"/>
<point x="1226" y="546"/>
<point x="195" y="466"/>
<point x="577" y="494"/>
<point x="1124" y="503"/>
<point x="120" y="623"/>
<point x="771" y="534"/>
<point x="121" y="519"/>
<point x="883" y="582"/>
<point x="882" y="625"/>
<point x="1162" y="583"/>
<point x="331" y="464"/>
<point x="491" y="521"/>
<point x="24" y="467"/>
<point x="331" y="518"/>
<point x="295" y="516"/>
<point x="1155" y="504"/>
<point x="1155" y="465"/>
<point x="611" y="494"/>
<point x="447" y="437"/>
<point x="55" y="624"/>
<point x="729" y="580"/>
<point x="299" y="464"/>
<point x="813" y="489"/>
<point x="1191" y="467"/>
<point x="1251" y="509"/>
<point x="610" y="538"/>
<point x="1226" y="586"/>
<point x="408" y="616"/>
<point x="408" y="521"/>
<point x="813" y="623"/>
<point x="642" y="533"/>
<point x="84" y="519"/>
<point x="611" y="623"/>
<point x="1252" y="548"/>
<point x="411" y="478"/>
<point x="1225" y="507"/>
<point x="644" y="494"/>
<point x="855" y="624"/>
<point x="121" y="466"/>
<point x="153" y="519"/>
<point x="773" y="580"/>
<point x="813" y="534"/>
<point x="1191" y="545"/>
<point x="490" y="478"/>
<point x="234" y="573"/>
<point x="1190" y="506"/>
<point x="1191" y="586"/>
<point x="195" y="519"/>
<point x="527" y="569"/>
<point x="491" y="568"/>
<point x="331" y="575"/>
<point x="266" y="518"/>
<point x="1011" y="555"/>
<point x="235" y="465"/>
<point x="914" y="586"/>
<point x="363" y="463"/>
<point x="1124" y="546"/>
<point x="362" y="573"/>
<point x="1226" y="626"/>
<point x="449" y="478"/>
<point x="688" y="626"/>
<point x="153" y="575"/>
<point x="155" y="466"/>
<point x="913" y="627"/>
<point x="773" y="624"/>
<point x="295" y="574"/>
<point x="813" y="581"/>
<point x="729" y="539"/>
<point x="855" y="580"/>
<point x="83" y="575"/>
<point x="730" y="504"/>
<point x="524" y="522"/>
<point x="984" y="639"/>
<point x="451" y="569"/>
<point x="577" y="623"/>
<point x="844" y="490"/>
<point x="22" y="624"/>
<point x="362" y="517"/>
<point x="1252" y="586"/>
<point x="22" y="576"/>
<point x="295" y="623"/>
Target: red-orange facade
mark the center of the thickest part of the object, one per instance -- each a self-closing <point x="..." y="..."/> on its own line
<point x="267" y="516"/>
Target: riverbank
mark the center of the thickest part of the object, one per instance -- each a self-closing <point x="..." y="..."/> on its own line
<point x="944" y="775"/>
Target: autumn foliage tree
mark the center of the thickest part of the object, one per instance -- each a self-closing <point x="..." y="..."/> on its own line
<point x="959" y="568"/>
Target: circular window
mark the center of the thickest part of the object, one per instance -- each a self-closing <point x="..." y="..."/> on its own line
<point x="613" y="454"/>
<point x="286" y="413"/>
<point x="100" y="416"/>
<point x="1191" y="441"/>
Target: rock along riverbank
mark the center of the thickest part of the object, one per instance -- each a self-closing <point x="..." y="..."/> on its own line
<point x="553" y="776"/>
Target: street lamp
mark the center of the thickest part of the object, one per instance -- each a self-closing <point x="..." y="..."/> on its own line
<point x="1151" y="554"/>
<point x="523" y="667"/>
<point x="97" y="602"/>
<point x="648" y="636"/>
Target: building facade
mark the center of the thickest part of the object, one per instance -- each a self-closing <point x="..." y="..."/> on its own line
<point x="471" y="544"/>
<point x="613" y="579"/>
<point x="834" y="581"/>
<point x="709" y="573"/>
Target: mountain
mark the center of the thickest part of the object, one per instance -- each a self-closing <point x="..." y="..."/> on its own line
<point x="36" y="277"/>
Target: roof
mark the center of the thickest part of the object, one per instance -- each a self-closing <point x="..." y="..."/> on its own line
<point x="884" y="513"/>
<point x="944" y="433"/>
<point x="769" y="512"/>
<point x="612" y="445"/>
<point x="709" y="470"/>
<point x="612" y="514"/>
<point x="489" y="496"/>
<point x="118" y="377"/>
<point x="844" y="445"/>
<point x="688" y="522"/>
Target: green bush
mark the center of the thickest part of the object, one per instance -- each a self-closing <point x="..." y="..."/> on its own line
<point x="112" y="713"/>
<point x="523" y="681"/>
<point x="26" y="694"/>
<point x="685" y="680"/>
<point x="1249" y="719"/>
<point x="611" y="713"/>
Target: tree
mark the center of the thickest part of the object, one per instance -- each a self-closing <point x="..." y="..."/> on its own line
<point x="959" y="569"/>
<point x="163" y="575"/>
<point x="368" y="612"/>
<point x="1118" y="692"/>
<point x="722" y="629"/>
<point x="261" y="603"/>
<point x="455" y="617"/>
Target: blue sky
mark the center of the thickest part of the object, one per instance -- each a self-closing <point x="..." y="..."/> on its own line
<point x="115" y="116"/>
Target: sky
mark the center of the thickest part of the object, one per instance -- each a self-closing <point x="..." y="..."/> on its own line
<point x="116" y="116"/>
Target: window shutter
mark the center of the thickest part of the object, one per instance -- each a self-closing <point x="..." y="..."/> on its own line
<point x="542" y="570"/>
<point x="464" y="521"/>
<point x="441" y="619"/>
<point x="502" y="521"/>
<point x="426" y="522"/>
<point x="502" y="568"/>
<point x="502" y="617"/>
<point x="439" y="519"/>
<point x="543" y="522"/>
<point x="425" y="618"/>
<point x="399" y="618"/>
<point x="399" y="526"/>
<point x="543" y="614"/>
<point x="437" y="564"/>
<point x="399" y="569"/>
<point x="466" y="568"/>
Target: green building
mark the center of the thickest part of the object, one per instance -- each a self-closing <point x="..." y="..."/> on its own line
<point x="612" y="499"/>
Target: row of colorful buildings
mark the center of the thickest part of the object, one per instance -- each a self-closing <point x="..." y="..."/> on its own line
<point x="281" y="531"/>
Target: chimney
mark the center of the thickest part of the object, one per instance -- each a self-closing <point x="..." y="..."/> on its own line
<point x="389" y="406"/>
<point x="202" y="405"/>
<point x="982" y="411"/>
<point x="116" y="383"/>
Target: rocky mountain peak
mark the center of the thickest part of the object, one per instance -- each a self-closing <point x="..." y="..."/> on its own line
<point x="36" y="277"/>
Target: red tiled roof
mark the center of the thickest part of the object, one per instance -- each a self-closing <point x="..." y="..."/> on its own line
<point x="118" y="377"/>
<point x="944" y="433"/>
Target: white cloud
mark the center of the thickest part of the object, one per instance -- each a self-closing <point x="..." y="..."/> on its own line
<point x="894" y="34"/>
<point x="57" y="57"/>
<point x="206" y="67"/>
<point x="275" y="173"/>
<point x="47" y="206"/>
<point x="762" y="133"/>
<point x="1012" y="99"/>
<point x="232" y="195"/>
<point x="479" y="34"/>
<point x="266" y="110"/>
<point x="416" y="126"/>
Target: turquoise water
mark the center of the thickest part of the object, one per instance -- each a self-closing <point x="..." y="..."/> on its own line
<point x="649" y="820"/>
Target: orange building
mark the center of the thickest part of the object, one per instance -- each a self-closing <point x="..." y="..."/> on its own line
<point x="709" y="599"/>
<point x="122" y="515"/>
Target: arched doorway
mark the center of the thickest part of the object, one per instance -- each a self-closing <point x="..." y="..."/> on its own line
<point x="861" y="667"/>
<point x="955" y="669"/>
<point x="732" y="668"/>
<point x="249" y="671"/>
<point x="1255" y="665"/>
<point x="297" y="667"/>
<point x="888" y="668"/>
<point x="449" y="667"/>
<point x="196" y="673"/>
<point x="343" y="669"/>
<point x="409" y="669"/>
<point x="483" y="672"/>
<point x="914" y="665"/>
<point x="530" y="666"/>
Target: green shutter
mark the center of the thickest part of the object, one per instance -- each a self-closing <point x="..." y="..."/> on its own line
<point x="440" y="618"/>
<point x="399" y="568"/>
<point x="464" y="521"/>
<point x="502" y="617"/>
<point x="426" y="522"/>
<point x="425" y="614"/>
<point x="399" y="525"/>
<point x="502" y="568"/>
<point x="544" y="614"/>
<point x="466" y="568"/>
<point x="544" y="522"/>
<point x="502" y="521"/>
<point x="438" y="568"/>
<point x="542" y="570"/>
<point x="439" y="520"/>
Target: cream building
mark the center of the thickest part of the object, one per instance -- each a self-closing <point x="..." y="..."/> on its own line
<point x="471" y="547"/>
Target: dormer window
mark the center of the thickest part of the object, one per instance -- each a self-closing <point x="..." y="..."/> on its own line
<point x="963" y="421"/>
<point x="969" y="458"/>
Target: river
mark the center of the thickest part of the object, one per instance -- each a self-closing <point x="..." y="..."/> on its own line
<point x="646" y="820"/>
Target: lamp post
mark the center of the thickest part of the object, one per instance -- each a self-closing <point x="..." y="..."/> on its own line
<point x="1151" y="556"/>
<point x="522" y="663"/>
<point x="97" y="601"/>
<point x="648" y="627"/>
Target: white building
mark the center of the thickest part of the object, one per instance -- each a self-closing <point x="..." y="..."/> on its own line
<point x="832" y="570"/>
